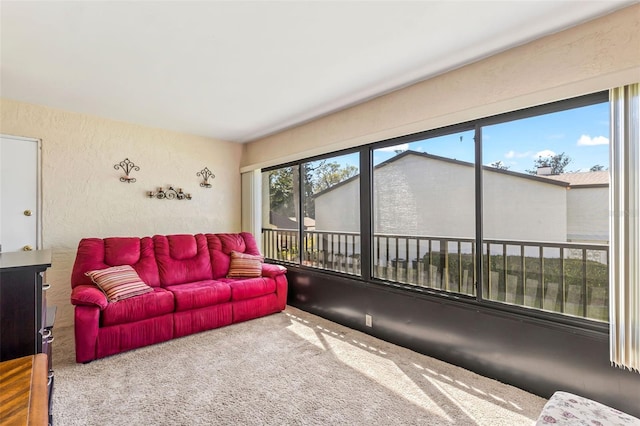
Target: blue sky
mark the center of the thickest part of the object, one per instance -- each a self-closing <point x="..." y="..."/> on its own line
<point x="581" y="133"/>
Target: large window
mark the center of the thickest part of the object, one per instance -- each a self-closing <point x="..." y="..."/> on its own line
<point x="331" y="203"/>
<point x="280" y="214"/>
<point x="510" y="210"/>
<point x="546" y="211"/>
<point x="327" y="192"/>
<point x="423" y="212"/>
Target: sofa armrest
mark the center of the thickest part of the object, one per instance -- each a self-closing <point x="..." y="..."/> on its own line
<point x="88" y="295"/>
<point x="270" y="270"/>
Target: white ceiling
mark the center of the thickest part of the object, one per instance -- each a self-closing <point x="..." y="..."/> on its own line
<point x="240" y="70"/>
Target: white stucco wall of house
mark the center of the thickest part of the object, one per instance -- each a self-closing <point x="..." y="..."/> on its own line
<point x="588" y="214"/>
<point x="523" y="209"/>
<point x="338" y="210"/>
<point x="415" y="195"/>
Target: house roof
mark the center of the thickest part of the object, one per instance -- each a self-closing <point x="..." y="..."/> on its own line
<point x="582" y="179"/>
<point x="541" y="179"/>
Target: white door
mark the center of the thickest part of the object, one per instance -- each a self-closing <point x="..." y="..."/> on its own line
<point x="19" y="207"/>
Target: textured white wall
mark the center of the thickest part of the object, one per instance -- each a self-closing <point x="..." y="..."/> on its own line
<point x="594" y="56"/>
<point x="338" y="210"/>
<point x="523" y="209"/>
<point x="588" y="214"/>
<point x="83" y="197"/>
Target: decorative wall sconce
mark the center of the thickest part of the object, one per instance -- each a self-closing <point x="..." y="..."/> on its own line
<point x="169" y="194"/>
<point x="127" y="166"/>
<point x="206" y="174"/>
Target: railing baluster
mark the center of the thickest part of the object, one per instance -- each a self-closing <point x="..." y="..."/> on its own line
<point x="488" y="275"/>
<point x="459" y="266"/>
<point x="386" y="259"/>
<point x="474" y="280"/>
<point x="445" y="269"/>
<point x="523" y="275"/>
<point x="376" y="266"/>
<point x="562" y="282"/>
<point x="416" y="267"/>
<point x="346" y="267"/>
<point x="541" y="280"/>
<point x="505" y="266"/>
<point x="396" y="254"/>
<point x="584" y="282"/>
<point x="428" y="267"/>
<point x="406" y="255"/>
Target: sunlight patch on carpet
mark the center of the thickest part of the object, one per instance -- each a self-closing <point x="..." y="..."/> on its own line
<point x="306" y="333"/>
<point x="385" y="372"/>
<point x="476" y="406"/>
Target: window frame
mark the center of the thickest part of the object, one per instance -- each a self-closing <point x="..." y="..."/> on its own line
<point x="367" y="208"/>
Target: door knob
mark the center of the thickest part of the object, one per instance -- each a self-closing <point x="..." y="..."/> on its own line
<point x="27" y="212"/>
<point x="27" y="248"/>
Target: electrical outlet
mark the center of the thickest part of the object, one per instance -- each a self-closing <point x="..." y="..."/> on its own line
<point x="367" y="320"/>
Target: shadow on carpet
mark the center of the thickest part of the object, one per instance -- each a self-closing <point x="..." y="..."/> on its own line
<point x="290" y="368"/>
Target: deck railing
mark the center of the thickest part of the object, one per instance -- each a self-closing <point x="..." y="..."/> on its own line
<point x="569" y="278"/>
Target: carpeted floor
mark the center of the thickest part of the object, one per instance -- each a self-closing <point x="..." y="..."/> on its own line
<point x="291" y="368"/>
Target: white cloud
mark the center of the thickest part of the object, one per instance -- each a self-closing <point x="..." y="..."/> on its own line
<point x="545" y="153"/>
<point x="514" y="154"/>
<point x="403" y="147"/>
<point x="586" y="140"/>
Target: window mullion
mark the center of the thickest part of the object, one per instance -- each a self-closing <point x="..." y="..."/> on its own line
<point x="479" y="217"/>
<point x="301" y="210"/>
<point x="366" y="209"/>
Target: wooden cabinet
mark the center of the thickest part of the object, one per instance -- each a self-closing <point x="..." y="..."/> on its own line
<point x="26" y="322"/>
<point x="23" y="400"/>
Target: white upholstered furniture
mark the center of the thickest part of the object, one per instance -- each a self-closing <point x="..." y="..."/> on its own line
<point x="564" y="408"/>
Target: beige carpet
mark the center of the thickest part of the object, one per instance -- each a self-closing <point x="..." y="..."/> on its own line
<point x="292" y="368"/>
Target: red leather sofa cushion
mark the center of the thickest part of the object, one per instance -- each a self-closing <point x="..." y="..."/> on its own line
<point x="199" y="294"/>
<point x="182" y="258"/>
<point x="221" y="246"/>
<point x="98" y="253"/>
<point x="148" y="305"/>
<point x="247" y="288"/>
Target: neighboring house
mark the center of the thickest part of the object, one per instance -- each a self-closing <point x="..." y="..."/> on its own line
<point x="278" y="221"/>
<point x="587" y="206"/>
<point x="427" y="195"/>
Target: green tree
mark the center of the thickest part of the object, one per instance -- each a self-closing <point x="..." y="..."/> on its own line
<point x="596" y="168"/>
<point x="558" y="163"/>
<point x="318" y="176"/>
<point x="281" y="199"/>
<point x="499" y="165"/>
<point x="325" y="175"/>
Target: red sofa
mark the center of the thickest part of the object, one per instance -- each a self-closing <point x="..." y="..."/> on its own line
<point x="191" y="292"/>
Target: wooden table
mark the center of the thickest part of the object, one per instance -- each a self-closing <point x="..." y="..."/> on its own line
<point x="23" y="391"/>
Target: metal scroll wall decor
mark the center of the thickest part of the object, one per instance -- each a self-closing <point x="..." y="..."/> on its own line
<point x="128" y="167"/>
<point x="206" y="175"/>
<point x="169" y="194"/>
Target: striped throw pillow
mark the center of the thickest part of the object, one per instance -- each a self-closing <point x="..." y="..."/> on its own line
<point x="245" y="265"/>
<point x="119" y="282"/>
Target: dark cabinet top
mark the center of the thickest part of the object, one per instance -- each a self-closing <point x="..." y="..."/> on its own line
<point x="25" y="259"/>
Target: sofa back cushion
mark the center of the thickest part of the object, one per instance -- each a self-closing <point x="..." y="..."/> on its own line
<point x="221" y="246"/>
<point x="98" y="253"/>
<point x="182" y="258"/>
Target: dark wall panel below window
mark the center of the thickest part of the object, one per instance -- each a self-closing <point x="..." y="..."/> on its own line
<point x="535" y="355"/>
